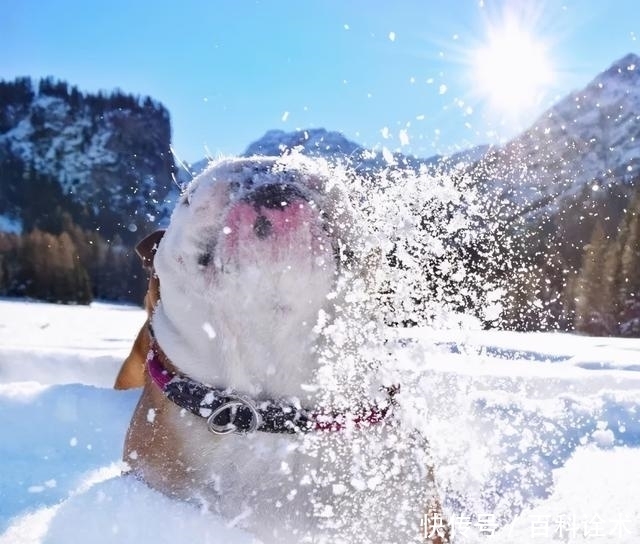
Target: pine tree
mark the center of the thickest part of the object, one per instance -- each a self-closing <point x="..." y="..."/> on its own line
<point x="612" y="275"/>
<point x="568" y="301"/>
<point x="521" y="311"/>
<point x="4" y="274"/>
<point x="594" y="297"/>
<point x="50" y="269"/>
<point x="628" y="293"/>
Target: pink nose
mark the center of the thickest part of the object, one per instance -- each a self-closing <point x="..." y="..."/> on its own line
<point x="290" y="223"/>
<point x="267" y="222"/>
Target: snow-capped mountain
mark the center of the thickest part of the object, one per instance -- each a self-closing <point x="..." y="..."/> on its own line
<point x="312" y="141"/>
<point x="333" y="146"/>
<point x="108" y="154"/>
<point x="112" y="153"/>
<point x="105" y="161"/>
<point x="319" y="142"/>
<point x="561" y="190"/>
<point x="584" y="147"/>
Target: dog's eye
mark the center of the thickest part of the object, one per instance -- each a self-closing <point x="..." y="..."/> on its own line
<point x="185" y="198"/>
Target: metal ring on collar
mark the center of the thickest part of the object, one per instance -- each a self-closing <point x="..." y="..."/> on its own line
<point x="234" y="402"/>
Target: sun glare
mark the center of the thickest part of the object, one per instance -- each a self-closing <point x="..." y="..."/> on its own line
<point x="511" y="69"/>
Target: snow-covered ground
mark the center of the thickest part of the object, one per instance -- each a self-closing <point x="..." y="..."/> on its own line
<point x="536" y="433"/>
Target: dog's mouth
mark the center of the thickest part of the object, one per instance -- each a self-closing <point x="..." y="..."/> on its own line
<point x="271" y="223"/>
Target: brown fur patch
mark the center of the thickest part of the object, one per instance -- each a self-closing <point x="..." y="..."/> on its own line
<point x="132" y="371"/>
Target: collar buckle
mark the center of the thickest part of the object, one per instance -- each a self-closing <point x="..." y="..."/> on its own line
<point x="241" y="417"/>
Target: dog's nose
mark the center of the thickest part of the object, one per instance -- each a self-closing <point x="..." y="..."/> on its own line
<point x="275" y="195"/>
<point x="274" y="212"/>
<point x="262" y="227"/>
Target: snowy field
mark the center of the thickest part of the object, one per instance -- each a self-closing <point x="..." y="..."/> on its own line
<point x="537" y="434"/>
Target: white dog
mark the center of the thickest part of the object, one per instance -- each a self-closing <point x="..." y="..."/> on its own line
<point x="244" y="409"/>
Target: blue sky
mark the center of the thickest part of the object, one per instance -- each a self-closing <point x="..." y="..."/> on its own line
<point x="398" y="74"/>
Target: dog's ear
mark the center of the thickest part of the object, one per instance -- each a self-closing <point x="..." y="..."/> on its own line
<point x="146" y="248"/>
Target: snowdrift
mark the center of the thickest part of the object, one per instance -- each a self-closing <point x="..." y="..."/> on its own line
<point x="536" y="436"/>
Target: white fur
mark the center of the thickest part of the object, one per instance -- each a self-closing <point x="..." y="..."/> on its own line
<point x="248" y="322"/>
<point x="250" y="326"/>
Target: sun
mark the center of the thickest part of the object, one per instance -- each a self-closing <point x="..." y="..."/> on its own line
<point x="511" y="69"/>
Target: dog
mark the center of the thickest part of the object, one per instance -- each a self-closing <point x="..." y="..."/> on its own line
<point x="245" y="408"/>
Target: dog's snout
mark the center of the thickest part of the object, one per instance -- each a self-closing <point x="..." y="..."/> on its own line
<point x="275" y="196"/>
<point x="274" y="213"/>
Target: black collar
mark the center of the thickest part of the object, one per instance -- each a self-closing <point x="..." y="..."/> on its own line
<point x="227" y="412"/>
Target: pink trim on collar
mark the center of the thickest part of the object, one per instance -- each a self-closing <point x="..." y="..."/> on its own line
<point x="160" y="376"/>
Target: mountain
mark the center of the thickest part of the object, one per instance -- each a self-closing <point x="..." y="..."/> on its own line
<point x="586" y="147"/>
<point x="558" y="198"/>
<point x="333" y="146"/>
<point x="566" y="195"/>
<point x="111" y="153"/>
<point x="82" y="178"/>
<point x="105" y="158"/>
<point x="312" y="142"/>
